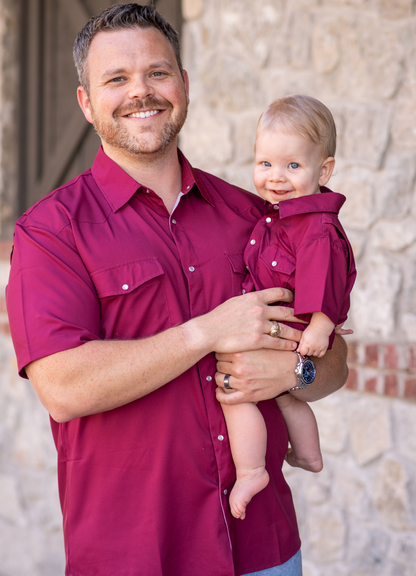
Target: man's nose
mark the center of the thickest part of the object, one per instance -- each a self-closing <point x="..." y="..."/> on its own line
<point x="140" y="87"/>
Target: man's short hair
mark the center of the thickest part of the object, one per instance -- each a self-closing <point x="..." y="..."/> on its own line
<point x="119" y="17"/>
<point x="303" y="115"/>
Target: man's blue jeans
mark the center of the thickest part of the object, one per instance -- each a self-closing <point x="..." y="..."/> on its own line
<point x="292" y="567"/>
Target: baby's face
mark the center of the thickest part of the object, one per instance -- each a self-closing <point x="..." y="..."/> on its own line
<point x="286" y="166"/>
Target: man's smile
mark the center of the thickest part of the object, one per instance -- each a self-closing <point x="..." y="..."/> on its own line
<point x="146" y="114"/>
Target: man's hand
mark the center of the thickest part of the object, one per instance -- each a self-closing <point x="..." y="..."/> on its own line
<point x="264" y="374"/>
<point x="255" y="375"/>
<point x="243" y="323"/>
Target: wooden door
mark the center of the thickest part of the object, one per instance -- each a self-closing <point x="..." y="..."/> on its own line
<point x="56" y="142"/>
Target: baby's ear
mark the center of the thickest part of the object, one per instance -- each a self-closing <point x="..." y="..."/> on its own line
<point x="326" y="170"/>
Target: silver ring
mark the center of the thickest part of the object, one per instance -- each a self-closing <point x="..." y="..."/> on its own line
<point x="274" y="331"/>
<point x="227" y="382"/>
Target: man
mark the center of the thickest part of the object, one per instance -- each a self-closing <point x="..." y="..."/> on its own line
<point x="123" y="284"/>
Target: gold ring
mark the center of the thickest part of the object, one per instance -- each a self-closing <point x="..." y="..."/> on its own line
<point x="274" y="331"/>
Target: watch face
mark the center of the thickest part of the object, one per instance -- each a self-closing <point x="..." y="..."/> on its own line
<point x="308" y="372"/>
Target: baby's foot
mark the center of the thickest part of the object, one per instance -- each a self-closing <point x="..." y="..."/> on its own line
<point x="248" y="483"/>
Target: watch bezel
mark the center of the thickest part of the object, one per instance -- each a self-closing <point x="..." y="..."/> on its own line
<point x="300" y="372"/>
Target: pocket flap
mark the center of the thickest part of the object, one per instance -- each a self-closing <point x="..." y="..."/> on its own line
<point x="237" y="262"/>
<point x="278" y="260"/>
<point x="125" y="278"/>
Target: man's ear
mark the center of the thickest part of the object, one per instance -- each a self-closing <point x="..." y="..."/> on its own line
<point x="84" y="102"/>
<point x="326" y="170"/>
<point x="186" y="82"/>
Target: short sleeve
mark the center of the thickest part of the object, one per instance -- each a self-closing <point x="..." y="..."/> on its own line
<point x="321" y="278"/>
<point x="51" y="301"/>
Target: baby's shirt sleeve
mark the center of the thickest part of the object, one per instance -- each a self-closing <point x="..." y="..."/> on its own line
<point x="321" y="278"/>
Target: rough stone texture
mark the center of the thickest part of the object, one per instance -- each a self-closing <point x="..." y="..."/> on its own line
<point x="358" y="516"/>
<point x="358" y="56"/>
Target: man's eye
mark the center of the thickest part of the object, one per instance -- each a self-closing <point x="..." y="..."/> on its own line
<point x="117" y="80"/>
<point x="158" y="74"/>
<point x="266" y="164"/>
<point x="293" y="165"/>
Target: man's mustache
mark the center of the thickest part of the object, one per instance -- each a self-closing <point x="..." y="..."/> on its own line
<point x="137" y="105"/>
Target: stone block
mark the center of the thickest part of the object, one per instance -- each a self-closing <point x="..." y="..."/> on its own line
<point x="192" y="9"/>
<point x="395" y="10"/>
<point x="375" y="297"/>
<point x="370" y="428"/>
<point x="395" y="185"/>
<point x="332" y="423"/>
<point x="229" y="83"/>
<point x="251" y="31"/>
<point x="394" y="235"/>
<point x="367" y="56"/>
<point x="357" y="184"/>
<point x="365" y="133"/>
<point x="244" y="136"/>
<point x="408" y="326"/>
<point x="391" y="497"/>
<point x="326" y="533"/>
<point x="10" y="507"/>
<point x="404" y="416"/>
<point x="367" y="551"/>
<point x="351" y="491"/>
<point x="403" y="129"/>
<point x="207" y="138"/>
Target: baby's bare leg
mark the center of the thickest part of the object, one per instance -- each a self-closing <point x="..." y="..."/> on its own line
<point x="248" y="437"/>
<point x="303" y="433"/>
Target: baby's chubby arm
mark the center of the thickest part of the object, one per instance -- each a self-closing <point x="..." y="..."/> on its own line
<point x="315" y="338"/>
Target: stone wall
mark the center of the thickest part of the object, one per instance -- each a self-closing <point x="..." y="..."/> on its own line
<point x="31" y="540"/>
<point x="358" y="516"/>
<point x="358" y="56"/>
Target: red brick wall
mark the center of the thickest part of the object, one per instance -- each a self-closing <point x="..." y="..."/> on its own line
<point x="383" y="368"/>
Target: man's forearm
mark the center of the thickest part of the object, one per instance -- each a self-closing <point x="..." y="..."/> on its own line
<point x="102" y="375"/>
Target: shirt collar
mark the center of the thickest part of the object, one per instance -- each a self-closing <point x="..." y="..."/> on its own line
<point x="118" y="187"/>
<point x="326" y="201"/>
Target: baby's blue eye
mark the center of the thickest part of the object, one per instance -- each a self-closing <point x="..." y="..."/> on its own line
<point x="266" y="164"/>
<point x="293" y="165"/>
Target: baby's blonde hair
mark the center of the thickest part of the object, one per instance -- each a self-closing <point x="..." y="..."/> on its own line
<point x="305" y="116"/>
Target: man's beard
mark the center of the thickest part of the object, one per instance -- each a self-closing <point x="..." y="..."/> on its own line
<point x="117" y="135"/>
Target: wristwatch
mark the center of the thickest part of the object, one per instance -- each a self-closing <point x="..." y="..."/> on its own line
<point x="305" y="371"/>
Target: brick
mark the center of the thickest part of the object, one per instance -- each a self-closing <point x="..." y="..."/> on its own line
<point x="370" y="385"/>
<point x="391" y="357"/>
<point x="3" y="309"/>
<point x="353" y="352"/>
<point x="371" y="355"/>
<point x="412" y="358"/>
<point x="352" y="381"/>
<point x="391" y="385"/>
<point x="410" y="388"/>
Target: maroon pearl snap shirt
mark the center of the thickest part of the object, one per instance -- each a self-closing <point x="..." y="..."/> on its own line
<point x="300" y="244"/>
<point x="144" y="488"/>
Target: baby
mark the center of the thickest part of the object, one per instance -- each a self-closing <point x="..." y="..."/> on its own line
<point x="299" y="244"/>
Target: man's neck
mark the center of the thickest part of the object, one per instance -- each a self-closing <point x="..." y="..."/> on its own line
<point x="161" y="172"/>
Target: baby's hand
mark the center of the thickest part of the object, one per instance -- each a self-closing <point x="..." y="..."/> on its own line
<point x="313" y="342"/>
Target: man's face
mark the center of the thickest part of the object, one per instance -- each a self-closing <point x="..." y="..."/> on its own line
<point x="137" y="96"/>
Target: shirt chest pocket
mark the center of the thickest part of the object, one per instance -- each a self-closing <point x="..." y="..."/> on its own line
<point x="133" y="299"/>
<point x="279" y="266"/>
<point x="238" y="272"/>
